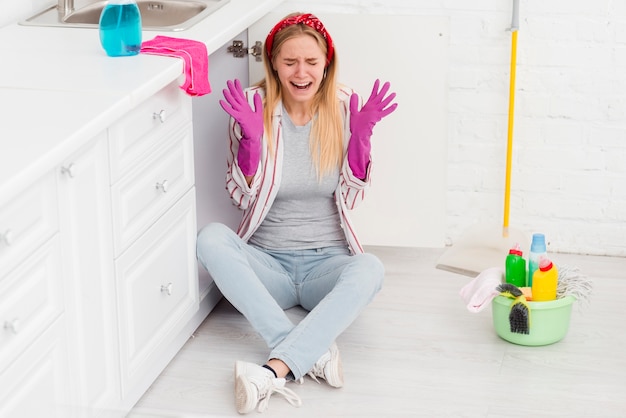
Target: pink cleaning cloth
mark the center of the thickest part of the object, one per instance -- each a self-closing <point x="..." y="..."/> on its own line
<point x="195" y="56"/>
<point x="481" y="290"/>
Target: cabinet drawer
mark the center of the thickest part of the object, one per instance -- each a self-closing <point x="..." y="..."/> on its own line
<point x="36" y="383"/>
<point x="144" y="194"/>
<point x="157" y="290"/>
<point x="27" y="221"/>
<point x="30" y="300"/>
<point x="147" y="128"/>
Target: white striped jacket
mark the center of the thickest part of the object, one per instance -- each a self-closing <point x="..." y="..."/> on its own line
<point x="255" y="200"/>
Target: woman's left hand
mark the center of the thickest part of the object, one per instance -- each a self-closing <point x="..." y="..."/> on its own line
<point x="362" y="124"/>
<point x="377" y="107"/>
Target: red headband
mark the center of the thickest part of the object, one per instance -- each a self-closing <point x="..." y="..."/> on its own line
<point x="305" y="19"/>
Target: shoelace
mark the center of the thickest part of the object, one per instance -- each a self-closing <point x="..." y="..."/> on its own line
<point x="317" y="371"/>
<point x="312" y="376"/>
<point x="278" y="386"/>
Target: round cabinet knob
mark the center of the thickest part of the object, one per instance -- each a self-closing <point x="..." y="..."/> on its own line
<point x="161" y="116"/>
<point x="13" y="326"/>
<point x="69" y="170"/>
<point x="163" y="186"/>
<point x="8" y="237"/>
<point x="167" y="289"/>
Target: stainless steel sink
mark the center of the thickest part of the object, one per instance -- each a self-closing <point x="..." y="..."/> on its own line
<point x="161" y="15"/>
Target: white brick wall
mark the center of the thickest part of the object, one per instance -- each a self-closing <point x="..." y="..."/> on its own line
<point x="569" y="157"/>
<point x="569" y="154"/>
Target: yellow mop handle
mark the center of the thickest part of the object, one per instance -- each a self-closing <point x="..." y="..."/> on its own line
<point x="509" y="148"/>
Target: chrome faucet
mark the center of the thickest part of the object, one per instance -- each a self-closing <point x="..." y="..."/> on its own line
<point x="65" y="7"/>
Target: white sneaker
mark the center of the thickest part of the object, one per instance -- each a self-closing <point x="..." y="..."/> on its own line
<point x="329" y="368"/>
<point x="255" y="384"/>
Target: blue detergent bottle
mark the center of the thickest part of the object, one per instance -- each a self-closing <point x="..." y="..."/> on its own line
<point x="120" y="28"/>
<point x="537" y="250"/>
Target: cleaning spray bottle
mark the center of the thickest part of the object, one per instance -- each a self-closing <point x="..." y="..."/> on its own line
<point x="545" y="281"/>
<point x="120" y="28"/>
<point x="515" y="267"/>
<point x="537" y="250"/>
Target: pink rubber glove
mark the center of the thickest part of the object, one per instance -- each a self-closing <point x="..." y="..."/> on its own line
<point x="251" y="123"/>
<point x="362" y="124"/>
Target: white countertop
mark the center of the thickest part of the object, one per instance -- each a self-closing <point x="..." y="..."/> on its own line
<point x="58" y="88"/>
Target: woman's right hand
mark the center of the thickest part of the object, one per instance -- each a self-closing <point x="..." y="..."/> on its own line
<point x="251" y="122"/>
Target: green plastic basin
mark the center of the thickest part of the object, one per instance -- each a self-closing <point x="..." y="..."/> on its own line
<point x="549" y="321"/>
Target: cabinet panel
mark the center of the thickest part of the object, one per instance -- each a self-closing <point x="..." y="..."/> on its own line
<point x="144" y="194"/>
<point x="406" y="205"/>
<point x="31" y="298"/>
<point x="36" y="385"/>
<point x="85" y="215"/>
<point x="27" y="221"/>
<point x="157" y="291"/>
<point x="146" y="128"/>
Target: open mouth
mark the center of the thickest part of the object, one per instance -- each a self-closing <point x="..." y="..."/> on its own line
<point x="301" y="86"/>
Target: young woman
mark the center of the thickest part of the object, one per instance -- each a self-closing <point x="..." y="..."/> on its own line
<point x="299" y="160"/>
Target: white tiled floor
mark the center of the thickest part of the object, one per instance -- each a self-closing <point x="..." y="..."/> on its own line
<point x="417" y="351"/>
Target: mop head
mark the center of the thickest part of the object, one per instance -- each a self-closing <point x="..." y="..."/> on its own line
<point x="572" y="282"/>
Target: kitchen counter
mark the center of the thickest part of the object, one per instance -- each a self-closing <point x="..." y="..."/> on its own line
<point x="58" y="88"/>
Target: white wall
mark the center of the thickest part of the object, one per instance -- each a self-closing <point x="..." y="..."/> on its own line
<point x="569" y="167"/>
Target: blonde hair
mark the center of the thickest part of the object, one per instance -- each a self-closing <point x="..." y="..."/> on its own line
<point x="326" y="140"/>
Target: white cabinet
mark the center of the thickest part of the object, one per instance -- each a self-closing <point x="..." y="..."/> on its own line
<point x="406" y="205"/>
<point x="33" y="358"/>
<point x="26" y="221"/>
<point x="99" y="284"/>
<point x="31" y="299"/>
<point x="35" y="384"/>
<point x="98" y="271"/>
<point x="141" y="196"/>
<point x="157" y="296"/>
<point x="154" y="233"/>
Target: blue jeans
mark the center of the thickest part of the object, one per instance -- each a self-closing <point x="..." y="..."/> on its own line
<point x="331" y="284"/>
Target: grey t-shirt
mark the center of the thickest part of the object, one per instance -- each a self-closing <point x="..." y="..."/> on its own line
<point x="304" y="214"/>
